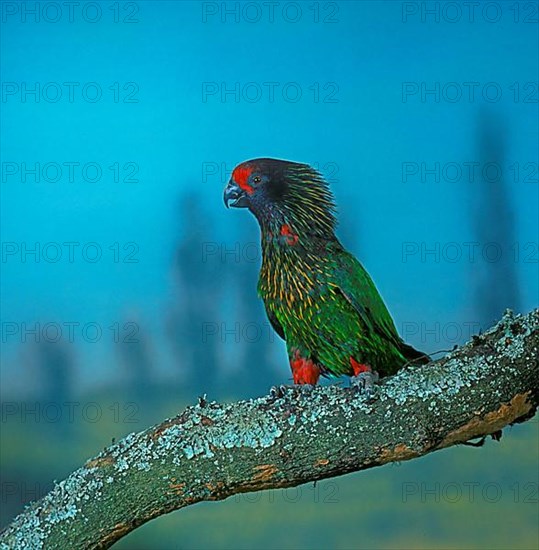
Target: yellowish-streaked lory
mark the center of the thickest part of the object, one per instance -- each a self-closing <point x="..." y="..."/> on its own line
<point x="318" y="297"/>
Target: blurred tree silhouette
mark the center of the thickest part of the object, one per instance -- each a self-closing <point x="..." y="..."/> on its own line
<point x="55" y="364"/>
<point x="494" y="278"/>
<point x="136" y="358"/>
<point x="196" y="299"/>
<point x="257" y="369"/>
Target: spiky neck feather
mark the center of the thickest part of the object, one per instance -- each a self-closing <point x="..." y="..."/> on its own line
<point x="306" y="205"/>
<point x="291" y="260"/>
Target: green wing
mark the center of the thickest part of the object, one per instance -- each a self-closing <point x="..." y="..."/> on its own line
<point x="277" y="327"/>
<point x="357" y="287"/>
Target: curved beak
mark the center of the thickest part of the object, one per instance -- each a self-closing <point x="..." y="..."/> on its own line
<point x="233" y="192"/>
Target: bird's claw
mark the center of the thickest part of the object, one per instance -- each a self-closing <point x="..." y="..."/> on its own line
<point x="365" y="382"/>
<point x="303" y="388"/>
<point x="280" y="390"/>
<point x="277" y="391"/>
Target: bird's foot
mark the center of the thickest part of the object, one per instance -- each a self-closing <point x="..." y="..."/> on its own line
<point x="364" y="377"/>
<point x="279" y="391"/>
<point x="365" y="382"/>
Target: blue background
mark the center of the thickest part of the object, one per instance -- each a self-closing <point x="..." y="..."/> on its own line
<point x="184" y="285"/>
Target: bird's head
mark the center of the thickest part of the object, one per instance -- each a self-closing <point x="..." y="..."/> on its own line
<point x="280" y="191"/>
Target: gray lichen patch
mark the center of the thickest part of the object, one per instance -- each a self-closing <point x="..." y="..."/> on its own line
<point x="218" y="428"/>
<point x="457" y="370"/>
<point x="412" y="384"/>
<point x="515" y="331"/>
<point x="32" y="528"/>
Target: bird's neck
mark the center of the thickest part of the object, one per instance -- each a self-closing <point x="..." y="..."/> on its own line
<point x="291" y="255"/>
<point x="291" y="232"/>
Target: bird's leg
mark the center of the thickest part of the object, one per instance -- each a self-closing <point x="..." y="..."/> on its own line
<point x="304" y="371"/>
<point x="279" y="391"/>
<point x="364" y="377"/>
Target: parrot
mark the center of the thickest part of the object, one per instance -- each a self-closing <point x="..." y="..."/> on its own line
<point x="317" y="295"/>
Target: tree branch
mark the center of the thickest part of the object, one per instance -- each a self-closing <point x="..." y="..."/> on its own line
<point x="212" y="451"/>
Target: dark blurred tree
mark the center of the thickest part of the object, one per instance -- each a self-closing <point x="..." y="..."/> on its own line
<point x="135" y="353"/>
<point x="257" y="370"/>
<point x="196" y="301"/>
<point x="55" y="362"/>
<point x="55" y="365"/>
<point x="494" y="274"/>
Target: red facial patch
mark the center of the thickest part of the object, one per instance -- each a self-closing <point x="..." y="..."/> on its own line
<point x="241" y="176"/>
<point x="291" y="238"/>
<point x="358" y="368"/>
<point x="304" y="371"/>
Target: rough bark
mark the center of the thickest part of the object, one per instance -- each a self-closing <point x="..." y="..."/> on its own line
<point x="212" y="450"/>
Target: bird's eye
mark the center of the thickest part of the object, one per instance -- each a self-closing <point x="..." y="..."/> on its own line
<point x="257" y="179"/>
